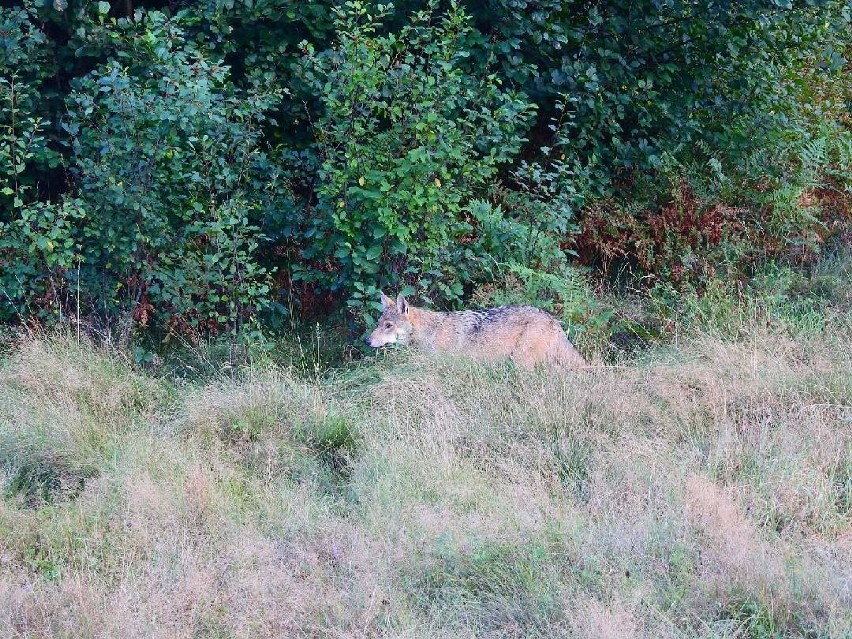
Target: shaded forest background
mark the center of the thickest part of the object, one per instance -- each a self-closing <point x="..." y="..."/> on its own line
<point x="230" y="167"/>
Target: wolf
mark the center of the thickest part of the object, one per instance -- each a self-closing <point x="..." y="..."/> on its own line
<point x="526" y="335"/>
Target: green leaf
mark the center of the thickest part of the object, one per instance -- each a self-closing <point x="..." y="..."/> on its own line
<point x="373" y="252"/>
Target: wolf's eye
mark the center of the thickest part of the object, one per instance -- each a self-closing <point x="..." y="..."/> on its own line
<point x="388" y="325"/>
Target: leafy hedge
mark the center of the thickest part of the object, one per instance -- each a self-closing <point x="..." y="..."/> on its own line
<point x="189" y="169"/>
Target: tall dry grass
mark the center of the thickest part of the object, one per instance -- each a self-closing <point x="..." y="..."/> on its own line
<point x="703" y="491"/>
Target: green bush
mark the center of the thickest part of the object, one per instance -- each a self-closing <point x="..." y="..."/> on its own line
<point x="171" y="183"/>
<point x="40" y="249"/>
<point x="25" y="64"/>
<point x="409" y="135"/>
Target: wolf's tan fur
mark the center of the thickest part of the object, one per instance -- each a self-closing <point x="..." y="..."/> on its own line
<point x="526" y="335"/>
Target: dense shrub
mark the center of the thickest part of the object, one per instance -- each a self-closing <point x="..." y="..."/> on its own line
<point x="25" y="64"/>
<point x="408" y="136"/>
<point x="186" y="168"/>
<point x="171" y="181"/>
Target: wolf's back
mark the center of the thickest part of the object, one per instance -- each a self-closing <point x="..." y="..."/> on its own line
<point x="527" y="335"/>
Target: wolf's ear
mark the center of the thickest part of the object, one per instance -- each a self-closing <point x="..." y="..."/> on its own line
<point x="386" y="302"/>
<point x="401" y="305"/>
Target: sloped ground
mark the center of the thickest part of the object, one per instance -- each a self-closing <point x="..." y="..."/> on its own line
<point x="705" y="490"/>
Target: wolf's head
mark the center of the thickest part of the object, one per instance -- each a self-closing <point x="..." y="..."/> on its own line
<point x="394" y="326"/>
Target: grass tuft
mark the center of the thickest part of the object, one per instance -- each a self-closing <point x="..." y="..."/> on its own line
<point x="42" y="476"/>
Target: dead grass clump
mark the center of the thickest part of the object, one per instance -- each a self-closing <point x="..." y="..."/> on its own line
<point x="243" y="409"/>
<point x="66" y="609"/>
<point x="57" y="371"/>
<point x="733" y="555"/>
<point x="593" y="619"/>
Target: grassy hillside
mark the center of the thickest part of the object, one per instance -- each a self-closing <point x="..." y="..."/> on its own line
<point x="702" y="489"/>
